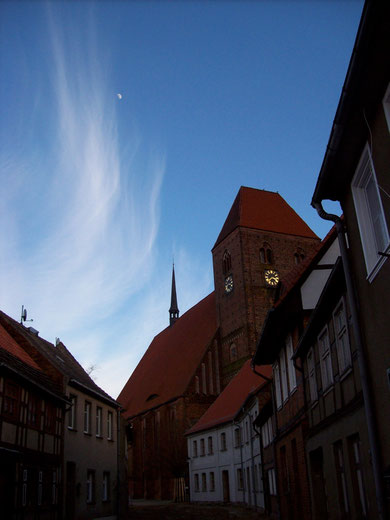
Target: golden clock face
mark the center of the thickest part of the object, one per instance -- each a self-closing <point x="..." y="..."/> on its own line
<point x="229" y="283"/>
<point x="271" y="277"/>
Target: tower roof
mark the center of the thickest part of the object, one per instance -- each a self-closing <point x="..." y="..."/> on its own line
<point x="264" y="210"/>
<point x="169" y="364"/>
<point x="173" y="310"/>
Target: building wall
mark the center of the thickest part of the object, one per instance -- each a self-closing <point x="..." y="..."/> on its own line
<point x="88" y="454"/>
<point x="231" y="461"/>
<point x="241" y="312"/>
<point x="373" y="294"/>
<point x="31" y="447"/>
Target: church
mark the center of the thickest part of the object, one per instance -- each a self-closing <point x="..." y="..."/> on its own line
<point x="191" y="362"/>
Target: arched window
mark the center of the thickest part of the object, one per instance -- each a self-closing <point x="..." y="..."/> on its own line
<point x="233" y="352"/>
<point x="226" y="262"/>
<point x="266" y="255"/>
<point x="299" y="256"/>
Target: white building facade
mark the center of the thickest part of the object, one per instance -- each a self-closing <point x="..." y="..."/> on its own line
<point x="225" y="461"/>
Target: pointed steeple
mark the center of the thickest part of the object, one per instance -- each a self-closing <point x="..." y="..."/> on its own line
<point x="173" y="311"/>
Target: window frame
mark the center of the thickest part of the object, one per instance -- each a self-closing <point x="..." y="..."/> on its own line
<point x="99" y="421"/>
<point x="311" y="374"/>
<point x="110" y="428"/>
<point x="278" y="391"/>
<point x="292" y="378"/>
<point x="106" y="486"/>
<point x="386" y="105"/>
<point x="343" y="348"/>
<point x="327" y="378"/>
<point x="87" y="416"/>
<point x="72" y="412"/>
<point x="90" y="491"/>
<point x="370" y="227"/>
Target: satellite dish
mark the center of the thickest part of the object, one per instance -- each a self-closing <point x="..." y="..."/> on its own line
<point x="24" y="314"/>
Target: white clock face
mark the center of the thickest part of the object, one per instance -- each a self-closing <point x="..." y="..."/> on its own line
<point x="229" y="283"/>
<point x="271" y="277"/>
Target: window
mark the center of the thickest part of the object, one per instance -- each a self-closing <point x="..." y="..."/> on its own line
<point x="210" y="445"/>
<point x="325" y="359"/>
<point x="98" y="421"/>
<point x="267" y="434"/>
<point x="54" y="488"/>
<point x="90" y="486"/>
<point x="204" y="482"/>
<point x="24" y="488"/>
<point x="202" y="448"/>
<point x="340" y="474"/>
<point x="266" y="256"/>
<point x="226" y="262"/>
<point x="240" y="480"/>
<point x="342" y="340"/>
<point x="109" y="426"/>
<point x="223" y="441"/>
<point x="271" y="481"/>
<point x="237" y="437"/>
<point x="233" y="352"/>
<point x="276" y="373"/>
<point x="196" y="482"/>
<point x="283" y="370"/>
<point x="312" y="376"/>
<point x="72" y="412"/>
<point x="87" y="417"/>
<point x="386" y="105"/>
<point x="32" y="411"/>
<point x="369" y="211"/>
<point x="50" y="417"/>
<point x="106" y="486"/>
<point x="357" y="474"/>
<point x="212" y="481"/>
<point x="11" y="400"/>
<point x="290" y="364"/>
<point x="194" y="448"/>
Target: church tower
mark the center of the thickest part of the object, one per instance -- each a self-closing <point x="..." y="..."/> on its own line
<point x="173" y="310"/>
<point x="260" y="242"/>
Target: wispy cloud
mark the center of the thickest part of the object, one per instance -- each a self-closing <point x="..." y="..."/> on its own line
<point x="82" y="211"/>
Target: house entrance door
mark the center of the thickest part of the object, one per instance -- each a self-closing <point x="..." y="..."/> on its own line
<point x="225" y="486"/>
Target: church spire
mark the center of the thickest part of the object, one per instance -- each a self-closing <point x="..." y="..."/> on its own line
<point x="173" y="311"/>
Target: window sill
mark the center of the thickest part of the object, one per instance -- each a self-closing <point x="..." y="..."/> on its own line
<point x="378" y="266"/>
<point x="99" y="437"/>
<point x="89" y="435"/>
<point x="70" y="429"/>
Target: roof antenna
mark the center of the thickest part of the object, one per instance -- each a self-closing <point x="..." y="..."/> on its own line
<point x="23" y="316"/>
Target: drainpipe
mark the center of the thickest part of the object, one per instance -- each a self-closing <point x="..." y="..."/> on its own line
<point x="275" y="414"/>
<point x="362" y="360"/>
<point x="253" y="467"/>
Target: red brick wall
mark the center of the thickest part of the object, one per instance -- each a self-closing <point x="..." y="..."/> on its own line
<point x="241" y="313"/>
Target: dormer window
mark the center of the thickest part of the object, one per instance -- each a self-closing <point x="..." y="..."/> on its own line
<point x="226" y="262"/>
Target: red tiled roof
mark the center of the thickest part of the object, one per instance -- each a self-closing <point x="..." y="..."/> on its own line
<point x="265" y="210"/>
<point x="230" y="401"/>
<point x="171" y="360"/>
<point x="8" y="343"/>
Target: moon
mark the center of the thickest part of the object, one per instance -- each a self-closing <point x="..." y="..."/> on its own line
<point x="119" y="96"/>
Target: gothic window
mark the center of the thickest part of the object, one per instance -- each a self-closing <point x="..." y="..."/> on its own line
<point x="233" y="352"/>
<point x="226" y="262"/>
<point x="299" y="256"/>
<point x="266" y="255"/>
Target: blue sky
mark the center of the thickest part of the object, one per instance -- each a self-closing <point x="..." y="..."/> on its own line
<point x="100" y="193"/>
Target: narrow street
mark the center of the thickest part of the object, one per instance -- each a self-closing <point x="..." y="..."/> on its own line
<point x="151" y="510"/>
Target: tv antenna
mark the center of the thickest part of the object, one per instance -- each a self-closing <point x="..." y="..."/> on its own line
<point x="23" y="316"/>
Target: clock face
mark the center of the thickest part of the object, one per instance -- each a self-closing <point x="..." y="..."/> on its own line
<point x="271" y="277"/>
<point x="229" y="283"/>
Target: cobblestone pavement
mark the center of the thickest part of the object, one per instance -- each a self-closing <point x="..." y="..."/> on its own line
<point x="186" y="511"/>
